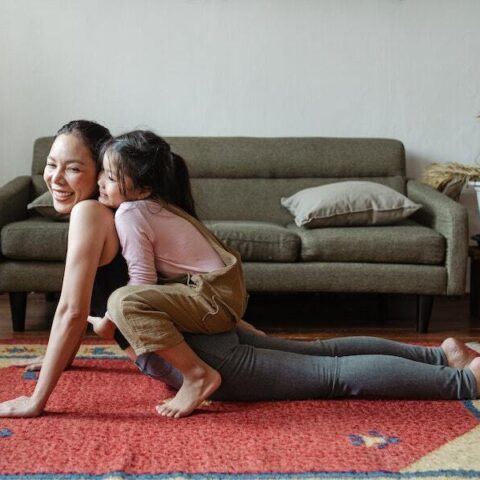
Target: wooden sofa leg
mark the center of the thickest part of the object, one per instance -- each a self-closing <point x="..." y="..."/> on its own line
<point x="52" y="297"/>
<point x="424" y="312"/>
<point x="18" y="307"/>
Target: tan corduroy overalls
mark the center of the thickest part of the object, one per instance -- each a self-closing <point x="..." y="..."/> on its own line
<point x="151" y="317"/>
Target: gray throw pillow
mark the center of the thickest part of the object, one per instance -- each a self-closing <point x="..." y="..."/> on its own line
<point x="43" y="205"/>
<point x="348" y="203"/>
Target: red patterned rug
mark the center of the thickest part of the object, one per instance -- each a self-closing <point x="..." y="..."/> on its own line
<point x="101" y="423"/>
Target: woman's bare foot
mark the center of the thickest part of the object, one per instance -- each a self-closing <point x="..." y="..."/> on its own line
<point x="475" y="368"/>
<point x="458" y="354"/>
<point x="103" y="327"/>
<point x="196" y="388"/>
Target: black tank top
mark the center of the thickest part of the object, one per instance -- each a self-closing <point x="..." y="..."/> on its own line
<point x="108" y="278"/>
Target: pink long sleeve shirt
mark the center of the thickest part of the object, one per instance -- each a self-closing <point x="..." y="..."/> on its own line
<point x="157" y="243"/>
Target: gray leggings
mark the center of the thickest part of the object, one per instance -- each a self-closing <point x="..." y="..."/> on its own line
<point x="256" y="367"/>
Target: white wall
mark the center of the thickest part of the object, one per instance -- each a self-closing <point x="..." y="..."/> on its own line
<point x="407" y="69"/>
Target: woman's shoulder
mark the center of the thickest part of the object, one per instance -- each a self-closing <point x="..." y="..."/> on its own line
<point x="91" y="210"/>
<point x="93" y="225"/>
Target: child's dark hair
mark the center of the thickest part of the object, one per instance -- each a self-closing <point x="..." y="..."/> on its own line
<point x="92" y="134"/>
<point x="148" y="160"/>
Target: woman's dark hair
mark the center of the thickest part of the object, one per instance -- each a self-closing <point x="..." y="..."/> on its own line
<point x="92" y="134"/>
<point x="148" y="160"/>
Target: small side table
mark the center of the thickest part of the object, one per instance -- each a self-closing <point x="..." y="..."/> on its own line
<point x="474" y="254"/>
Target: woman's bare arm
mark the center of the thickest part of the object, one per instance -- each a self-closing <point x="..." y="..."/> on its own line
<point x="90" y="235"/>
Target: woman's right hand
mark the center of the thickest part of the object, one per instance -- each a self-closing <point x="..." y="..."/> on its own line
<point x="30" y="364"/>
<point x="20" y="407"/>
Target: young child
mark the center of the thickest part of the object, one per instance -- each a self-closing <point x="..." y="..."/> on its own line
<point x="200" y="282"/>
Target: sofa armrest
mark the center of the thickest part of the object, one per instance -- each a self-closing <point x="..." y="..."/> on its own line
<point x="450" y="219"/>
<point x="14" y="197"/>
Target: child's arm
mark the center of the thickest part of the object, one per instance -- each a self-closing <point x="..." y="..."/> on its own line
<point x="137" y="241"/>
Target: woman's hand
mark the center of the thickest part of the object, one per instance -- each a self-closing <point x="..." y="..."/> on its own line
<point x="30" y="364"/>
<point x="35" y="364"/>
<point x="20" y="407"/>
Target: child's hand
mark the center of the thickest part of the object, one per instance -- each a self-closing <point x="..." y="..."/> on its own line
<point x="93" y="320"/>
<point x="103" y="327"/>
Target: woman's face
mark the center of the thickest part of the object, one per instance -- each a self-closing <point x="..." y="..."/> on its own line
<point x="70" y="173"/>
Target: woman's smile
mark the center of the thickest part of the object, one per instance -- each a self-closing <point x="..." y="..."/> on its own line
<point x="61" y="194"/>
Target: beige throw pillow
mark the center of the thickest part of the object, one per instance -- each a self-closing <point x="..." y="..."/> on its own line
<point x="44" y="206"/>
<point x="348" y="203"/>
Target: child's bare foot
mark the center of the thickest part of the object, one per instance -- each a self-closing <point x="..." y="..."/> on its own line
<point x="458" y="354"/>
<point x="196" y="388"/>
<point x="475" y="368"/>
<point x="103" y="327"/>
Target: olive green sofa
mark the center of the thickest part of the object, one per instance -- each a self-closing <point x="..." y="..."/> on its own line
<point x="238" y="183"/>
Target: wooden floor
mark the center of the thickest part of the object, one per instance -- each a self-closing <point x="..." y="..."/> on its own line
<point x="310" y="316"/>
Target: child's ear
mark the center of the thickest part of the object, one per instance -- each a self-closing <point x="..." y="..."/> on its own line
<point x="143" y="193"/>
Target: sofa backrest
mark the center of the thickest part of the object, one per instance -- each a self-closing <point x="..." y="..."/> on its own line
<point x="243" y="178"/>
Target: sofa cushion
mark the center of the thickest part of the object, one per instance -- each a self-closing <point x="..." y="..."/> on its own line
<point x="258" y="241"/>
<point x="39" y="238"/>
<point x="348" y="203"/>
<point x="36" y="238"/>
<point x="406" y="242"/>
<point x="43" y="205"/>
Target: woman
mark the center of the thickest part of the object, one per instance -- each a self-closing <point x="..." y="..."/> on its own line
<point x="71" y="176"/>
<point x="252" y="367"/>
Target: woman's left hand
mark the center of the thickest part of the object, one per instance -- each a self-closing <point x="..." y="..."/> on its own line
<point x="30" y="364"/>
<point x="20" y="407"/>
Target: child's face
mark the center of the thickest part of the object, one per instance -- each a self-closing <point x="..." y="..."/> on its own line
<point x="110" y="193"/>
